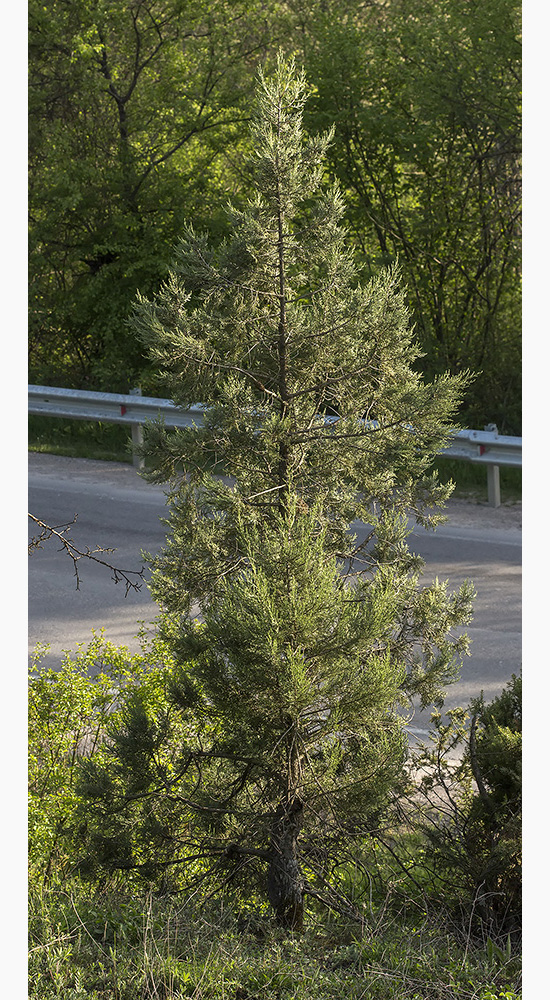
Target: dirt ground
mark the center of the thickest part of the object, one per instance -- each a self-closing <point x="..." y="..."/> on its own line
<point x="478" y="513"/>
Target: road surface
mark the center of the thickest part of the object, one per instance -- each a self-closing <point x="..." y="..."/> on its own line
<point x="117" y="508"/>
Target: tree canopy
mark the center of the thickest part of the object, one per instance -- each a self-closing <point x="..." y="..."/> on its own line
<point x="138" y="117"/>
<point x="428" y="146"/>
<point x="127" y="105"/>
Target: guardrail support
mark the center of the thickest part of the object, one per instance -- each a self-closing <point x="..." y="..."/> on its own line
<point x="493" y="474"/>
<point x="493" y="485"/>
<point x="137" y="436"/>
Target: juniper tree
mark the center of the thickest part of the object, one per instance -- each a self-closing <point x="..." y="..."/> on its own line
<point x="315" y="418"/>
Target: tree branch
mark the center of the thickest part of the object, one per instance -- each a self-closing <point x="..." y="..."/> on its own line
<point x="60" y="532"/>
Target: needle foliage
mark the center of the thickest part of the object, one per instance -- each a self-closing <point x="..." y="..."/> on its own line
<point x="314" y="631"/>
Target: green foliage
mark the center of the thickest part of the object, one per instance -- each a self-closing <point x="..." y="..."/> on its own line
<point x="290" y="689"/>
<point x="276" y="333"/>
<point x="426" y="100"/>
<point x="474" y="810"/>
<point x="122" y="942"/>
<point x="131" y="106"/>
<point x="137" y="121"/>
<point x="497" y="744"/>
<point x="289" y="681"/>
<point x="71" y="711"/>
<point x="262" y="750"/>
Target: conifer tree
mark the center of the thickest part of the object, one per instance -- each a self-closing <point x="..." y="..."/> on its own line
<point x="315" y="418"/>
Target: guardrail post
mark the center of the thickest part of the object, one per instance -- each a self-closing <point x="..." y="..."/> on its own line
<point x="493" y="476"/>
<point x="137" y="436"/>
<point x="493" y="485"/>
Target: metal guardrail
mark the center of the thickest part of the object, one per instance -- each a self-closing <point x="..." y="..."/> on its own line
<point x="485" y="447"/>
<point x="488" y="448"/>
<point x="111" y="407"/>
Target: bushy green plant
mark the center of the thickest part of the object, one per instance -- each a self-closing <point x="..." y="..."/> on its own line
<point x="471" y="813"/>
<point x="493" y="833"/>
<point x="71" y="710"/>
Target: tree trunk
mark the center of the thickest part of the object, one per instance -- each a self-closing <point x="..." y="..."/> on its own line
<point x="285" y="884"/>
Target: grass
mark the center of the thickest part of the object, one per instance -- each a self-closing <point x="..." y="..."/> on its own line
<point x="80" y="438"/>
<point x="127" y="947"/>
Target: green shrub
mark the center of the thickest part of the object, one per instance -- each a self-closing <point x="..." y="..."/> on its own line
<point x="470" y="813"/>
<point x="71" y="711"/>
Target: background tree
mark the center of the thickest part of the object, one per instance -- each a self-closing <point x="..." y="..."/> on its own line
<point x="138" y="114"/>
<point x="127" y="104"/>
<point x="426" y="100"/>
<point x="309" y="639"/>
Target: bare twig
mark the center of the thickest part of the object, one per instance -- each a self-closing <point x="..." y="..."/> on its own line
<point x="61" y="533"/>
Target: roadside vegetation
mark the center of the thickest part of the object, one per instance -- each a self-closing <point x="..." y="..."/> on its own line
<point x="139" y="118"/>
<point x="128" y="935"/>
<point x="79" y="439"/>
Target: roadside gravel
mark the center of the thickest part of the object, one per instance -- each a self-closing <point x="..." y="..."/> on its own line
<point x="464" y="511"/>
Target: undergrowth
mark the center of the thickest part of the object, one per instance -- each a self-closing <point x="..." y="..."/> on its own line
<point x="80" y="438"/>
<point x="123" y="947"/>
<point x="115" y="937"/>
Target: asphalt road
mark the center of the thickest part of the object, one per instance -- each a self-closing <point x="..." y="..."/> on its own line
<point x="117" y="509"/>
